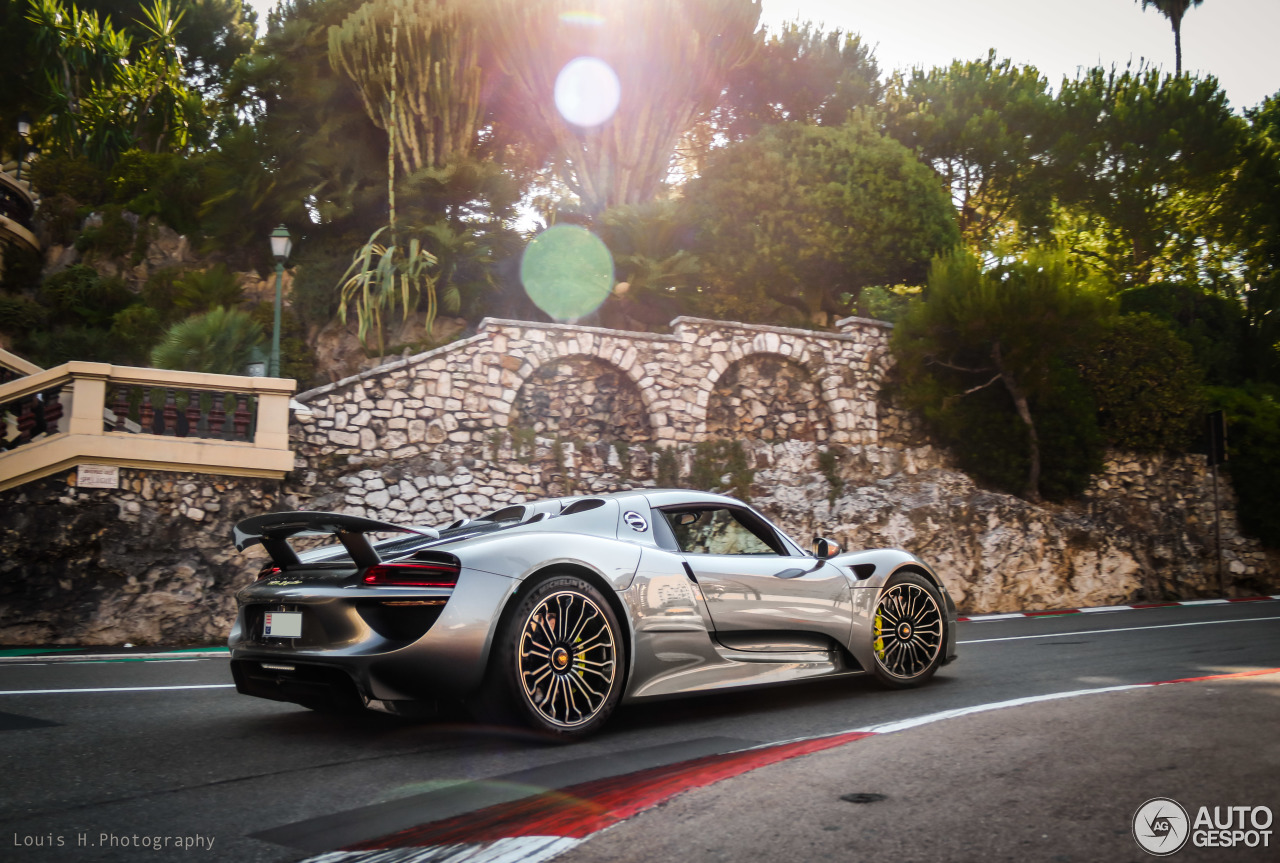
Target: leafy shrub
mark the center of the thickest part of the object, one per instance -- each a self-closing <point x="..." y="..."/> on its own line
<point x="62" y="344"/>
<point x="714" y="459"/>
<point x="20" y="270"/>
<point x="20" y="315"/>
<point x="1253" y="455"/>
<point x="297" y="360"/>
<point x="83" y="295"/>
<point x="1147" y="386"/>
<point x="60" y="217"/>
<point x="74" y="176"/>
<point x="205" y="290"/>
<point x="164" y="185"/>
<point x="159" y="292"/>
<point x="136" y="329"/>
<point x="113" y="238"/>
<point x="315" y="279"/>
<point x="1214" y="326"/>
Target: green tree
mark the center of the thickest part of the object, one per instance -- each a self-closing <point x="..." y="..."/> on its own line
<point x="219" y="342"/>
<point x="103" y="93"/>
<point x="303" y="154"/>
<point x="671" y="57"/>
<point x="212" y="34"/>
<point x="1174" y="10"/>
<point x="1254" y="201"/>
<point x="986" y="127"/>
<point x="1014" y="327"/>
<point x="1146" y="168"/>
<point x="799" y="74"/>
<point x="800" y="218"/>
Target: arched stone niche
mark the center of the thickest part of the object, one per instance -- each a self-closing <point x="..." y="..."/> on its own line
<point x="583" y="398"/>
<point x="767" y="397"/>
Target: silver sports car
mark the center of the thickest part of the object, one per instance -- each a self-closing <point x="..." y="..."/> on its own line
<point x="552" y="613"/>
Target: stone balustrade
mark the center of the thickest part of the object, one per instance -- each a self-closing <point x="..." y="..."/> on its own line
<point x="97" y="413"/>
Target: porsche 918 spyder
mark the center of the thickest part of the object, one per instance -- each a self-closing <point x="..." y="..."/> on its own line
<point x="552" y="613"/>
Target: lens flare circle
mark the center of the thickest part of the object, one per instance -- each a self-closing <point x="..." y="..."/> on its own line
<point x="587" y="91"/>
<point x="567" y="272"/>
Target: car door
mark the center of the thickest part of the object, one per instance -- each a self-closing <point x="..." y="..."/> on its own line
<point x="758" y="595"/>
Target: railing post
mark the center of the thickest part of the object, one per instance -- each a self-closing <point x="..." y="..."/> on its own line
<point x="170" y="413"/>
<point x="272" y="431"/>
<point x="88" y="397"/>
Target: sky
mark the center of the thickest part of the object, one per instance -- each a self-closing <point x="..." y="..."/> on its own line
<point x="1233" y="40"/>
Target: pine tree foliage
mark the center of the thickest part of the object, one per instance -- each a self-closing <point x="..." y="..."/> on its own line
<point x="1012" y="327"/>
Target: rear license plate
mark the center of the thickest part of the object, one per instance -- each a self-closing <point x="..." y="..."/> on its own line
<point x="282" y="624"/>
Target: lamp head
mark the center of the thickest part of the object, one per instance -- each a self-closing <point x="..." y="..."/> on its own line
<point x="281" y="244"/>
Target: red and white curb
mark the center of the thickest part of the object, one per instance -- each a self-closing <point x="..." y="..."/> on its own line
<point x="1057" y="611"/>
<point x="543" y="826"/>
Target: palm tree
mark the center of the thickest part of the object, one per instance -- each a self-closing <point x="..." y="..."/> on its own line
<point x="1173" y="10"/>
<point x="217" y="342"/>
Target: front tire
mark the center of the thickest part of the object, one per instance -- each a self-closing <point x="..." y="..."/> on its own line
<point x="909" y="631"/>
<point x="558" y="661"/>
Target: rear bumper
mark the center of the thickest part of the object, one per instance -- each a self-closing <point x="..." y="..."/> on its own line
<point x="345" y="652"/>
<point x="316" y="686"/>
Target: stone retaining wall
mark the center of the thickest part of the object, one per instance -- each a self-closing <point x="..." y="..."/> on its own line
<point x="522" y="411"/>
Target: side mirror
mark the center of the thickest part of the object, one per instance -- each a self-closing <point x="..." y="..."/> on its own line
<point x="824" y="548"/>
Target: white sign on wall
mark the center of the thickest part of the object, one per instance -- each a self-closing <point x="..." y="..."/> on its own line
<point x="98" y="476"/>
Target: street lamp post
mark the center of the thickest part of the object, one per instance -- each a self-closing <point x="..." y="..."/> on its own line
<point x="281" y="245"/>
<point x="24" y="131"/>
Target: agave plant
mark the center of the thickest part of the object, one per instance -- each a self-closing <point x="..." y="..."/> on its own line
<point x="383" y="275"/>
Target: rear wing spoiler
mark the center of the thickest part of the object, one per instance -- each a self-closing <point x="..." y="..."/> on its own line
<point x="274" y="529"/>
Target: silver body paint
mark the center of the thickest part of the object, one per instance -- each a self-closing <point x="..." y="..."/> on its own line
<point x="691" y="622"/>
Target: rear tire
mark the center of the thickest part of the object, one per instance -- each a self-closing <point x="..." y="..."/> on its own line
<point x="909" y="631"/>
<point x="558" y="660"/>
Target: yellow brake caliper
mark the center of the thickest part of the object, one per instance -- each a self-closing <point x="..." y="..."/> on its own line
<point x="878" y="644"/>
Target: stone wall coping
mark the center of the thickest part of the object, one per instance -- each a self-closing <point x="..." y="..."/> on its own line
<point x="574" y="328"/>
<point x="390" y="367"/>
<point x="135" y="376"/>
<point x="863" y="322"/>
<point x="766" y="328"/>
<point x="18" y="364"/>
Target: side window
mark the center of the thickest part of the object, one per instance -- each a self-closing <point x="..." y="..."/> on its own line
<point x="718" y="531"/>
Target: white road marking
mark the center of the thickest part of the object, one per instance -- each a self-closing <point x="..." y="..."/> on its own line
<point x="915" y="721"/>
<point x="212" y="653"/>
<point x="1121" y="629"/>
<point x="118" y="689"/>
<point x="514" y="849"/>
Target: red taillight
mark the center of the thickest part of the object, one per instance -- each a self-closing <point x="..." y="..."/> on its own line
<point x="268" y="571"/>
<point x="413" y="574"/>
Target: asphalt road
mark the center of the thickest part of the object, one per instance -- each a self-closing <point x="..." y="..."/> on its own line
<point x="175" y="752"/>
